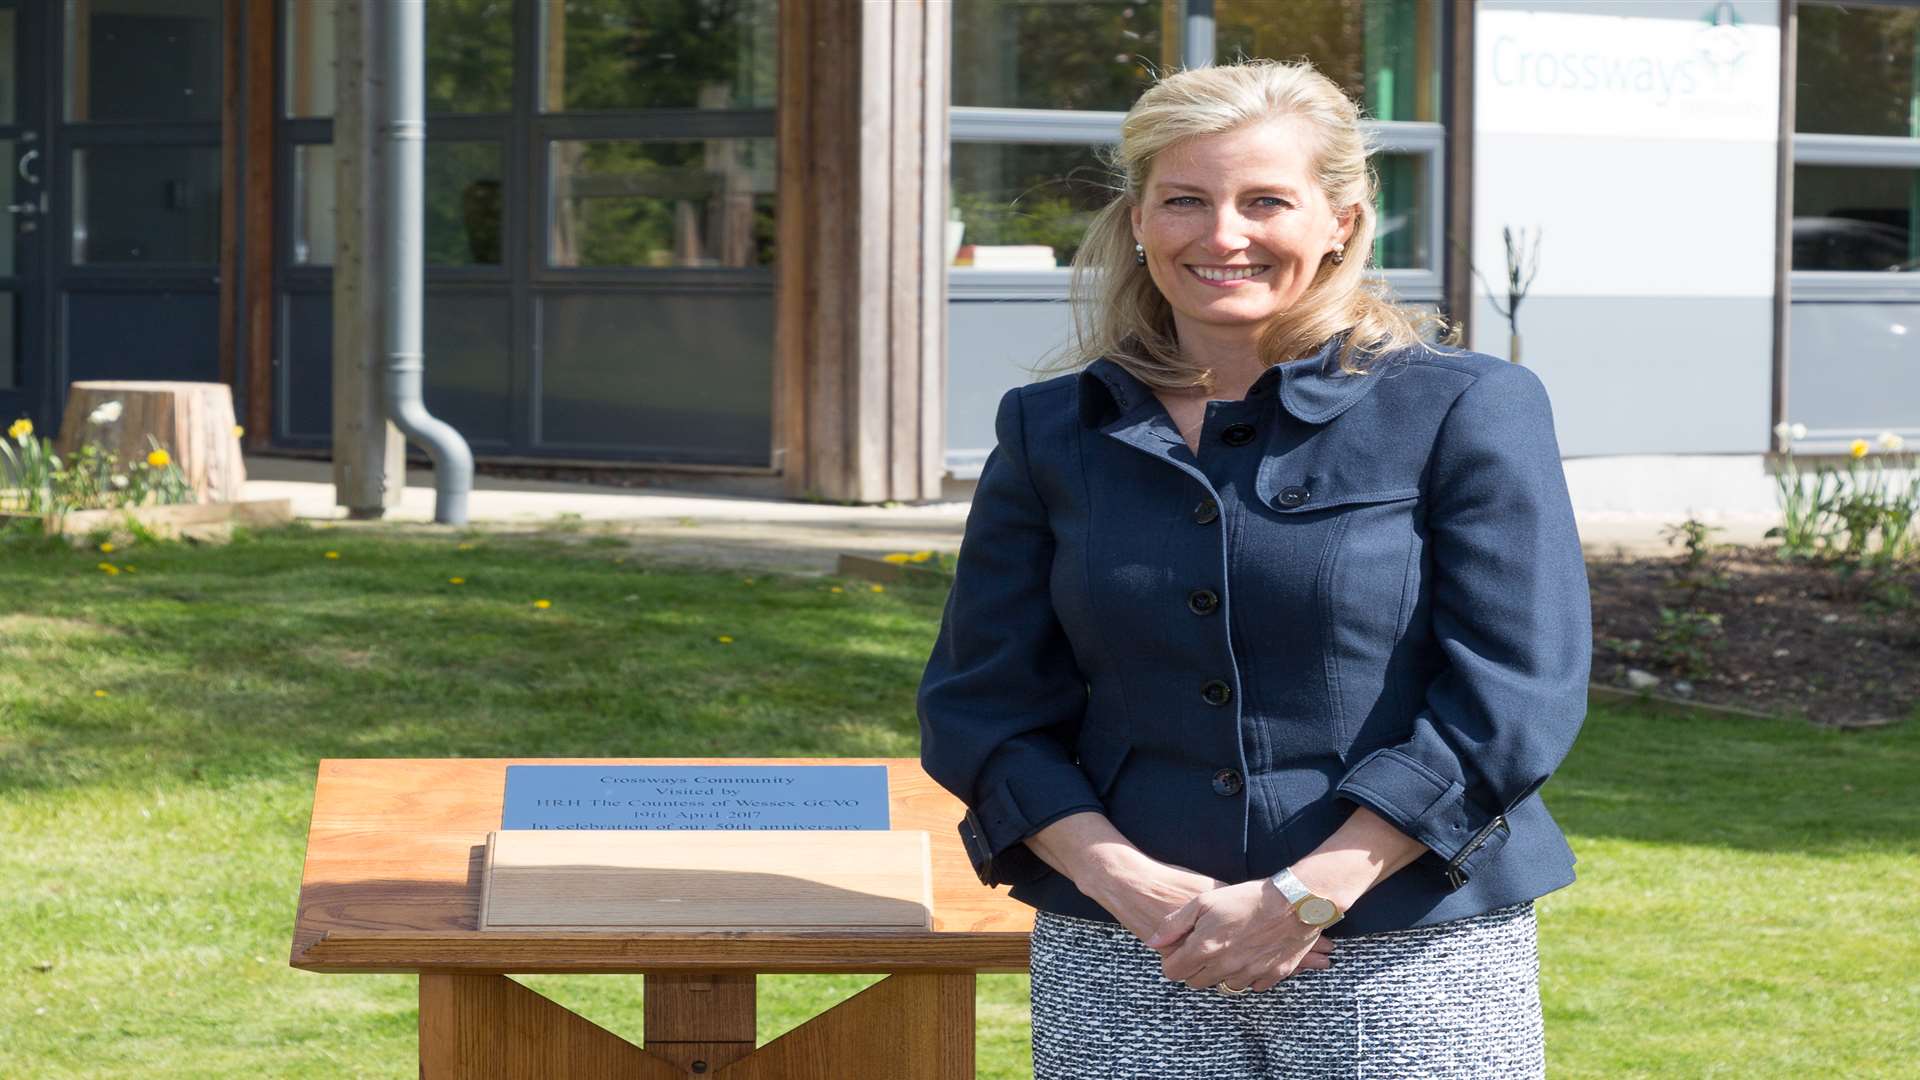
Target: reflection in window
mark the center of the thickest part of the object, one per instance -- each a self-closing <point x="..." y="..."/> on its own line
<point x="462" y="200"/>
<point x="1400" y="241"/>
<point x="1859" y="71"/>
<point x="143" y="59"/>
<point x="706" y="203"/>
<point x="1026" y="205"/>
<point x="469" y="56"/>
<point x="1382" y="52"/>
<point x="653" y="54"/>
<point x="146" y="204"/>
<point x="1048" y="54"/>
<point x="1847" y="218"/>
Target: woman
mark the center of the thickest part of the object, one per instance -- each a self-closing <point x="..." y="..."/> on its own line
<point x="1267" y="627"/>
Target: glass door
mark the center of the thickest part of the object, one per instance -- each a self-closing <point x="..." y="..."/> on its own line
<point x="23" y="194"/>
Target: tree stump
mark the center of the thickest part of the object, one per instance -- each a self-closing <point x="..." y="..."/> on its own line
<point x="192" y="421"/>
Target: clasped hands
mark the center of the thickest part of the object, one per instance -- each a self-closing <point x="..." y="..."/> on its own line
<point x="1209" y="933"/>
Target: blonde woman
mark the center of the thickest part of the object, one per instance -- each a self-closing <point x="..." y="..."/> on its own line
<point x="1269" y="624"/>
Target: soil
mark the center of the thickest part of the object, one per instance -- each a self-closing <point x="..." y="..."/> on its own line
<point x="1786" y="638"/>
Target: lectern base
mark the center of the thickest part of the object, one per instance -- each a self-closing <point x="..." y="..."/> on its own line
<point x="907" y="1026"/>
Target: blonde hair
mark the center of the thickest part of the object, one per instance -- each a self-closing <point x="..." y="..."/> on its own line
<point x="1119" y="313"/>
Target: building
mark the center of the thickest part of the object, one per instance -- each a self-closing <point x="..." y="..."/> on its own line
<point x="712" y="235"/>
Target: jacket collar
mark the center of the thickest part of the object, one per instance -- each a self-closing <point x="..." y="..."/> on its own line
<point x="1312" y="388"/>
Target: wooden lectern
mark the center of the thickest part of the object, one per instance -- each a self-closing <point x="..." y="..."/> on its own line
<point x="392" y="884"/>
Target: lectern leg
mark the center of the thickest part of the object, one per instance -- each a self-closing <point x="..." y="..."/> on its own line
<point x="904" y="1027"/>
<point x="490" y="1026"/>
<point x="699" y="1021"/>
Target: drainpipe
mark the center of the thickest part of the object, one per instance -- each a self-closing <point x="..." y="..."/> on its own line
<point x="403" y="32"/>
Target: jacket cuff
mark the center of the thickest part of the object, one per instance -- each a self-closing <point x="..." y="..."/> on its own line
<point x="1016" y="808"/>
<point x="1428" y="807"/>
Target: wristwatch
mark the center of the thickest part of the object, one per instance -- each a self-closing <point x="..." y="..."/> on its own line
<point x="1313" y="909"/>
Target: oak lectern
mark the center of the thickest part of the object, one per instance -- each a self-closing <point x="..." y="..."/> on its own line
<point x="392" y="884"/>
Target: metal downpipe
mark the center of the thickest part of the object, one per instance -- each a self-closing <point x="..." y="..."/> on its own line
<point x="403" y="31"/>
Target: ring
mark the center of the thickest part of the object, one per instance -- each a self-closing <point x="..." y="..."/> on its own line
<point x="1225" y="989"/>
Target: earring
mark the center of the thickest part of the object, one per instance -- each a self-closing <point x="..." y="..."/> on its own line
<point x="1339" y="254"/>
<point x="1139" y="255"/>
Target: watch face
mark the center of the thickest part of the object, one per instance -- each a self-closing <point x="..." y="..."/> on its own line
<point x="1318" y="911"/>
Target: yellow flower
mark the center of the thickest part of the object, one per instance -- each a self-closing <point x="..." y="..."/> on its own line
<point x="456" y="581"/>
<point x="1858" y="449"/>
<point x="922" y="556"/>
<point x="543" y="604"/>
<point x="897" y="557"/>
<point x="159" y="459"/>
<point x="109" y="569"/>
<point x="106" y="546"/>
<point x="333" y="555"/>
<point x="99" y="693"/>
<point x="724" y="639"/>
<point x="239" y="432"/>
<point x="836" y="588"/>
<point x="21" y="428"/>
<point x="878" y="588"/>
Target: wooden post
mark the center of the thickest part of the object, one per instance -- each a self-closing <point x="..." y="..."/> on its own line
<point x="861" y="344"/>
<point x="369" y="456"/>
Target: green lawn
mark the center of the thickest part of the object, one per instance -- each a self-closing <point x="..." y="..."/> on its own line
<point x="1749" y="902"/>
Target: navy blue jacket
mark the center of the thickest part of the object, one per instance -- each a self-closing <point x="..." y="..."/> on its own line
<point x="1365" y="590"/>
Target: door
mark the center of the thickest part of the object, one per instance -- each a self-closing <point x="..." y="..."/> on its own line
<point x="110" y="135"/>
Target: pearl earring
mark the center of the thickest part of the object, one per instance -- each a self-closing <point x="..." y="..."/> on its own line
<point x="1339" y="254"/>
<point x="1139" y="255"/>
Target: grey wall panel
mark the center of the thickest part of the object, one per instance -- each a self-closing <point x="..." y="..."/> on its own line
<point x="1855" y="369"/>
<point x="306" y="368"/>
<point x="991" y="347"/>
<point x="143" y="335"/>
<point x="1646" y="375"/>
<point x="658" y="376"/>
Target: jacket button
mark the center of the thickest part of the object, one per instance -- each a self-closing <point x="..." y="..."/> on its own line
<point x="1293" y="496"/>
<point x="1206" y="512"/>
<point x="1216" y="693"/>
<point x="1227" y="782"/>
<point x="1203" y="601"/>
<point x="1237" y="434"/>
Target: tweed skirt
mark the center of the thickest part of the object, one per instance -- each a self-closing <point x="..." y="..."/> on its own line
<point x="1455" y="999"/>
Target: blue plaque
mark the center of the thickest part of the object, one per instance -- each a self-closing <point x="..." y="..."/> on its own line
<point x="813" y="797"/>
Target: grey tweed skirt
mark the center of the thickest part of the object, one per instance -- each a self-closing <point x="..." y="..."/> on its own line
<point x="1456" y="999"/>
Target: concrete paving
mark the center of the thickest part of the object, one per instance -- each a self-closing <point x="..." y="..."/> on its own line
<point x="705" y="529"/>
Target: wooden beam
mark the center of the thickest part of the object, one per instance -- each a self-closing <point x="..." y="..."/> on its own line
<point x="862" y="285"/>
<point x="257" y="192"/>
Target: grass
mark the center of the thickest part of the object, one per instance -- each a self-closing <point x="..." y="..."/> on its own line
<point x="1748" y="902"/>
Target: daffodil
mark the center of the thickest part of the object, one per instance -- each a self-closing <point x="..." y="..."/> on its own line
<point x="1799" y="431"/>
<point x="20" y="429"/>
<point x="1890" y="442"/>
<point x="106" y="546"/>
<point x="105" y="413"/>
<point x="333" y="555"/>
<point x="543" y="604"/>
<point x="159" y="458"/>
<point x="109" y="569"/>
<point x="1858" y="449"/>
<point x="897" y="558"/>
<point x="921" y="556"/>
<point x="1783" y="430"/>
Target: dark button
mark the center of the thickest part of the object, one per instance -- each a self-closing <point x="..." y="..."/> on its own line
<point x="1216" y="693"/>
<point x="1206" y="512"/>
<point x="1237" y="434"/>
<point x="1293" y="496"/>
<point x="1227" y="782"/>
<point x="1203" y="601"/>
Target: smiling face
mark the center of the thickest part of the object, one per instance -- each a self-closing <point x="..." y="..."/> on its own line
<point x="1235" y="226"/>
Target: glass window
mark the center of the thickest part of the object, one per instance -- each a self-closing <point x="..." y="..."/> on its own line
<point x="9" y="342"/>
<point x="1047" y="54"/>
<point x="1858" y="71"/>
<point x="1401" y="240"/>
<point x="1025" y="196"/>
<point x="653" y="54"/>
<point x="463" y="204"/>
<point x="146" y="204"/>
<point x="469" y="56"/>
<point x="8" y="225"/>
<point x="1854" y="218"/>
<point x="9" y="65"/>
<point x="1382" y="52"/>
<point x="630" y="202"/>
<point x="143" y="59"/>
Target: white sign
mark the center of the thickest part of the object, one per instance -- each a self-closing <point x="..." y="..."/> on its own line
<point x="1703" y="74"/>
